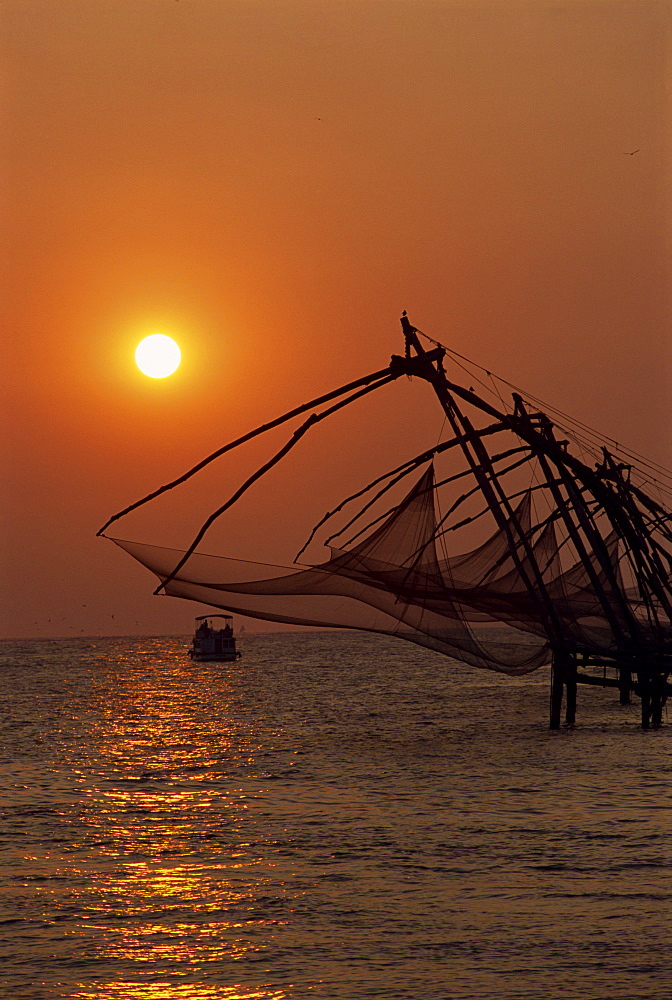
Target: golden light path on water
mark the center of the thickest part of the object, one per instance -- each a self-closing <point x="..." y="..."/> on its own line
<point x="182" y="897"/>
<point x="168" y="991"/>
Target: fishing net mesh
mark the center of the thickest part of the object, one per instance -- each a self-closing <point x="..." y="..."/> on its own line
<point x="474" y="606"/>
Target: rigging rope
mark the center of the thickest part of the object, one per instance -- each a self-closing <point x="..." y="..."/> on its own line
<point x="537" y="401"/>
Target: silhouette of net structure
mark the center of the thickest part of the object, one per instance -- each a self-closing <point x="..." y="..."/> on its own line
<point x="574" y="569"/>
<point x="394" y="582"/>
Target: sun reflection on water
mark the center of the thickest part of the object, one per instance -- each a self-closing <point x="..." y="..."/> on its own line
<point x="170" y="878"/>
<point x="128" y="990"/>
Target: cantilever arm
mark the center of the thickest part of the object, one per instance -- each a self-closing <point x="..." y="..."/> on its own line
<point x="313" y="419"/>
<point x="384" y="374"/>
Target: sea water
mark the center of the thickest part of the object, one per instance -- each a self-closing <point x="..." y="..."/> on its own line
<point x="336" y="815"/>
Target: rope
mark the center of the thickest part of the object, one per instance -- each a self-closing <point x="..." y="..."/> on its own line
<point x="573" y="421"/>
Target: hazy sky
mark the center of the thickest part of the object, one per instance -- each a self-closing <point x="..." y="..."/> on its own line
<point x="271" y="182"/>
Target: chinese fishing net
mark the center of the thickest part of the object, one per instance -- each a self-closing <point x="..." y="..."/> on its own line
<point x="503" y="605"/>
<point x="394" y="583"/>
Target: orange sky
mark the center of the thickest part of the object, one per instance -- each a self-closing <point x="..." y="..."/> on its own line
<point x="271" y="182"/>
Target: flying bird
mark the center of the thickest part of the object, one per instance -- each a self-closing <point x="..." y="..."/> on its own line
<point x="632" y="153"/>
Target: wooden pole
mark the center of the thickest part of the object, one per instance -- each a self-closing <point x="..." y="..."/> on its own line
<point x="486" y="477"/>
<point x="658" y="699"/>
<point x="556" y="690"/>
<point x="570" y="685"/>
<point x="624" y="684"/>
<point x="646" y="705"/>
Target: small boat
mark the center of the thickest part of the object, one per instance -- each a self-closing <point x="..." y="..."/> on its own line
<point x="211" y="643"/>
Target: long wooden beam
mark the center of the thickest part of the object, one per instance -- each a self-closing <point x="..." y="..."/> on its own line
<point x="382" y="377"/>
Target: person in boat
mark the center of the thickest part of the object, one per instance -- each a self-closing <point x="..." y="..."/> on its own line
<point x="227" y="630"/>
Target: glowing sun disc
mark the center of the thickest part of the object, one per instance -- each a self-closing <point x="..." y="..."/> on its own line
<point x="158" y="356"/>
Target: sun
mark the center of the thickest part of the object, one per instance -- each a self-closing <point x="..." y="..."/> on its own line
<point x="158" y="356"/>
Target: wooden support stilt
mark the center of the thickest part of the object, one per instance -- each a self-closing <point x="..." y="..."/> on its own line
<point x="625" y="683"/>
<point x="643" y="689"/>
<point x="570" y="684"/>
<point x="658" y="698"/>
<point x="646" y="709"/>
<point x="556" y="691"/>
<point x="653" y="690"/>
